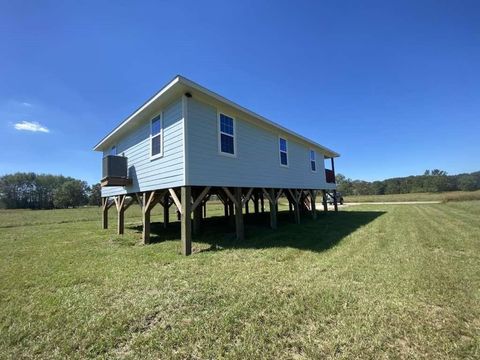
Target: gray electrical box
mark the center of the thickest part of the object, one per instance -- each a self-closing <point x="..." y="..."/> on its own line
<point x="114" y="167"/>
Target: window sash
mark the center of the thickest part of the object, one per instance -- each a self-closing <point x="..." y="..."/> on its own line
<point x="313" y="161"/>
<point x="283" y="149"/>
<point x="156" y="126"/>
<point x="156" y="145"/>
<point x="156" y="136"/>
<point x="227" y="144"/>
<point x="226" y="127"/>
<point x="283" y="158"/>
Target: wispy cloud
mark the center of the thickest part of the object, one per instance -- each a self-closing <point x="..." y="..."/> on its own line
<point x="27" y="104"/>
<point x="31" y="126"/>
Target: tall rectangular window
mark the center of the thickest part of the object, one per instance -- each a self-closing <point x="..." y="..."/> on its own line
<point x="113" y="150"/>
<point x="156" y="137"/>
<point x="313" y="161"/>
<point x="226" y="134"/>
<point x="283" y="147"/>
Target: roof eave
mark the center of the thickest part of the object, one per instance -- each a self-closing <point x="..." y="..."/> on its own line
<point x="182" y="80"/>
<point x="159" y="93"/>
<point x="194" y="85"/>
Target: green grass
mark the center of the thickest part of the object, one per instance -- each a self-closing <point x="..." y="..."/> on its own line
<point x="443" y="197"/>
<point x="377" y="281"/>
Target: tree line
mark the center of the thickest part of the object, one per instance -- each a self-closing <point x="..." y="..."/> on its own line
<point x="431" y="181"/>
<point x="44" y="191"/>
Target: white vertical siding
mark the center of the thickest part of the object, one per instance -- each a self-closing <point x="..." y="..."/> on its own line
<point x="166" y="171"/>
<point x="257" y="162"/>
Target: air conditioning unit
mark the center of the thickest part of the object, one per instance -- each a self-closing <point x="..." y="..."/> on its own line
<point x="115" y="171"/>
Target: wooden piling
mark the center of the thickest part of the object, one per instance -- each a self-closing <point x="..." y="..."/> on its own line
<point x="296" y="209"/>
<point x="335" y="203"/>
<point x="105" y="207"/>
<point x="231" y="213"/>
<point x="239" y="214"/>
<point x="119" y="204"/>
<point x="324" y="200"/>
<point x="255" y="203"/>
<point x="295" y="195"/>
<point x="166" y="210"/>
<point x="186" y="222"/>
<point x="273" y="208"/>
<point x="146" y="217"/>
<point x="313" y="205"/>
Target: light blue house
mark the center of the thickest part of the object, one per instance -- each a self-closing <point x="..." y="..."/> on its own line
<point x="187" y="143"/>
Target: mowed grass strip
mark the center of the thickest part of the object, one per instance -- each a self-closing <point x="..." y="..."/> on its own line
<point x="399" y="281"/>
<point x="442" y="197"/>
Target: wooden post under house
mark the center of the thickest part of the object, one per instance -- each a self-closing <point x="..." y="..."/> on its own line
<point x="234" y="200"/>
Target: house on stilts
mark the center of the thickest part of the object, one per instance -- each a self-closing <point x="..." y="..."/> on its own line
<point x="187" y="143"/>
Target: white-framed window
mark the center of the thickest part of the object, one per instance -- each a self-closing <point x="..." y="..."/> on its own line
<point x="156" y="137"/>
<point x="226" y="135"/>
<point x="283" y="149"/>
<point x="313" y="161"/>
<point x="113" y="150"/>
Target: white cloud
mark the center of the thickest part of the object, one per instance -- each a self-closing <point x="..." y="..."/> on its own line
<point x="27" y="104"/>
<point x="31" y="126"/>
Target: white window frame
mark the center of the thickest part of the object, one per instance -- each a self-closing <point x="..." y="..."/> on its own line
<point x="220" y="132"/>
<point x="280" y="152"/>
<point x="160" y="154"/>
<point x="314" y="160"/>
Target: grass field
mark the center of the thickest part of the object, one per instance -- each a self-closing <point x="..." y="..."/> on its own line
<point x="443" y="197"/>
<point x="374" y="281"/>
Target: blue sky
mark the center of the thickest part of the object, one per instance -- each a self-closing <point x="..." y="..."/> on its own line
<point x="394" y="86"/>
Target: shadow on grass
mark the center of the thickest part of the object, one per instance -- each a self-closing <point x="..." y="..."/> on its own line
<point x="314" y="235"/>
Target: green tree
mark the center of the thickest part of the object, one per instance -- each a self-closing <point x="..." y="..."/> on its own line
<point x="438" y="172"/>
<point x="95" y="195"/>
<point x="467" y="182"/>
<point x="71" y="193"/>
<point x="344" y="185"/>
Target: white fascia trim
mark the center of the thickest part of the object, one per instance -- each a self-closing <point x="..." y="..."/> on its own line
<point x="136" y="112"/>
<point x="191" y="84"/>
<point x="252" y="114"/>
